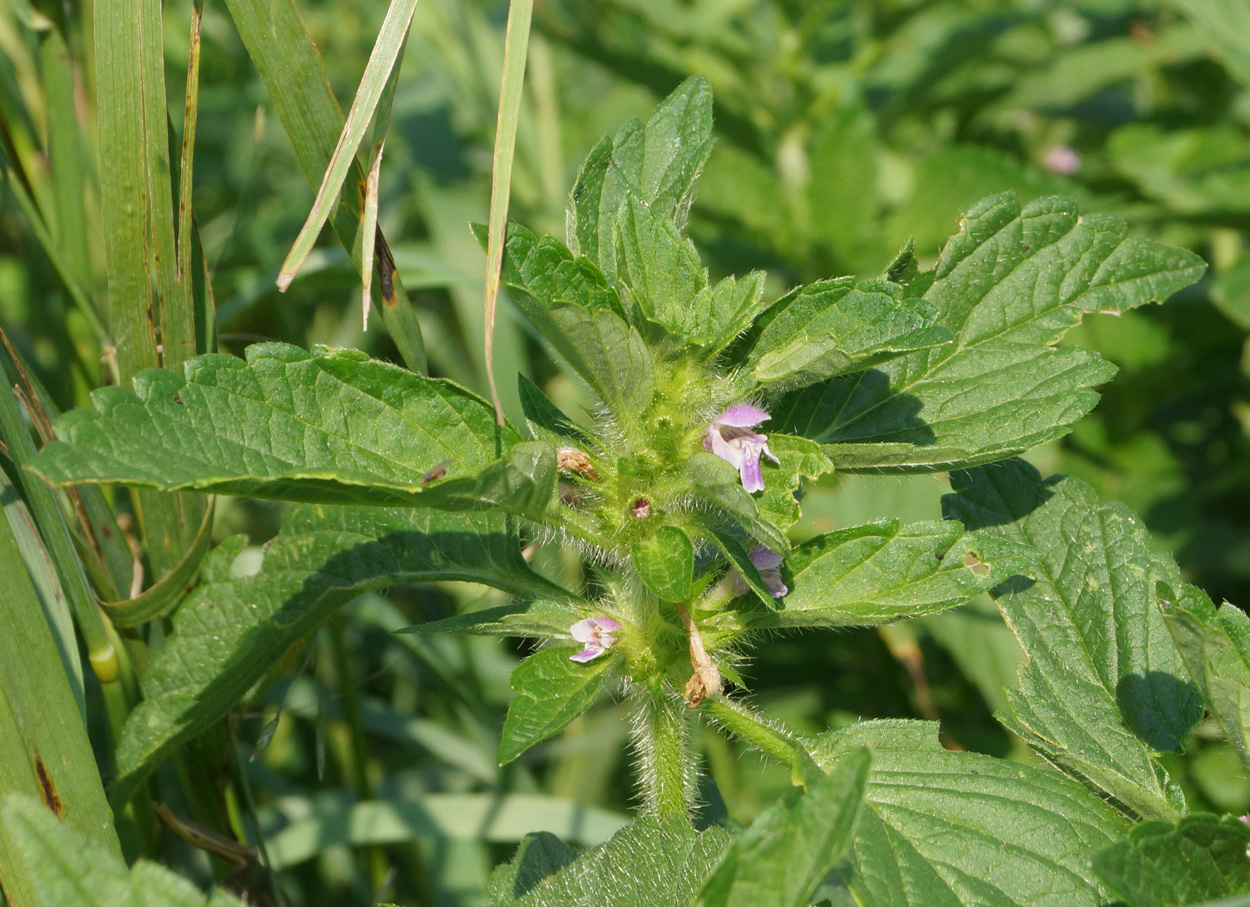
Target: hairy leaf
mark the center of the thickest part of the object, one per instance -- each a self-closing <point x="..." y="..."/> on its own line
<point x="1200" y="858"/>
<point x="231" y="629"/>
<point x="551" y="692"/>
<point x="785" y="853"/>
<point x="665" y="563"/>
<point x="1215" y="646"/>
<point x="880" y="572"/>
<point x="1007" y="286"/>
<point x="834" y="327"/>
<point x="718" y="483"/>
<point x="942" y="828"/>
<point x="649" y="863"/>
<point x="70" y="870"/>
<point x="1104" y="689"/>
<point x="331" y="426"/>
<point x="655" y="163"/>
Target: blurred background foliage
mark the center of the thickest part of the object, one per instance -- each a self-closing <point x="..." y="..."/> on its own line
<point x="844" y="128"/>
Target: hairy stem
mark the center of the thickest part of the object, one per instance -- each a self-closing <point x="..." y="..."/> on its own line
<point x="665" y="766"/>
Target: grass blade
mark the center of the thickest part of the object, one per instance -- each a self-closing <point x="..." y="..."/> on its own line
<point x="296" y="80"/>
<point x="385" y="54"/>
<point x="516" y="44"/>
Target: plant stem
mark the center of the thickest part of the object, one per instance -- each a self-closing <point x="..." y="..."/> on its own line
<point x="665" y="764"/>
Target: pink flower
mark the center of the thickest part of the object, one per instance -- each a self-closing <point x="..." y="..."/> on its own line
<point x="596" y="634"/>
<point x="731" y="438"/>
<point x="768" y="563"/>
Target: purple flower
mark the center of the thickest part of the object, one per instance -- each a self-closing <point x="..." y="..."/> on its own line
<point x="768" y="563"/>
<point x="731" y="438"/>
<point x="596" y="634"/>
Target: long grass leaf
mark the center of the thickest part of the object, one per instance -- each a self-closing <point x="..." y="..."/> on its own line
<point x="385" y="54"/>
<point x="516" y="44"/>
<point x="295" y="78"/>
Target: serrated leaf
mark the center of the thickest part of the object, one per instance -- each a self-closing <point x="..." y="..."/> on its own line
<point x="655" y="163"/>
<point x="544" y="272"/>
<point x="718" y="483"/>
<point x="1200" y="858"/>
<point x="834" y="327"/>
<point x="650" y="863"/>
<point x="944" y="829"/>
<point x="1104" y="689"/>
<point x="551" y="691"/>
<point x="665" y="563"/>
<point x="231" y="629"/>
<point x="881" y="572"/>
<point x="1215" y="646"/>
<point x="331" y="426"/>
<point x="799" y="459"/>
<point x="658" y="266"/>
<point x="781" y="858"/>
<point x="70" y="870"/>
<point x="1008" y="286"/>
<point x="608" y="354"/>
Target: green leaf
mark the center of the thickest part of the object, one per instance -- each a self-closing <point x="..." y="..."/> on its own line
<point x="785" y="853"/>
<point x="718" y="483"/>
<point x="545" y="418"/>
<point x="535" y="619"/>
<point x="1215" y="646"/>
<point x="799" y="459"/>
<point x="665" y="563"/>
<point x="843" y="189"/>
<point x="1200" y="858"/>
<point x="740" y="560"/>
<point x="655" y="163"/>
<point x="71" y="870"/>
<point x="941" y="828"/>
<point x="331" y="426"/>
<point x="231" y="629"/>
<point x="836" y="326"/>
<point x="658" y="267"/>
<point x="1104" y="689"/>
<point x="881" y="572"/>
<point x="1008" y="286"/>
<point x="545" y="273"/>
<point x="551" y="692"/>
<point x="649" y="863"/>
<point x="386" y="52"/>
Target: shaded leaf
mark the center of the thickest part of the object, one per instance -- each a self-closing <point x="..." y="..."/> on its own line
<point x="649" y="863"/>
<point x="780" y="859"/>
<point x="71" y="870"/>
<point x="231" y="629"/>
<point x="1104" y="689"/>
<point x="536" y="619"/>
<point x="1200" y="858"/>
<point x="1008" y="285"/>
<point x="718" y="483"/>
<point x="947" y="828"/>
<point x="1215" y="646"/>
<point x="551" y="692"/>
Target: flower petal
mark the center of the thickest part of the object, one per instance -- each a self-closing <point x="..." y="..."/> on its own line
<point x="587" y="654"/>
<point x="742" y="416"/>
